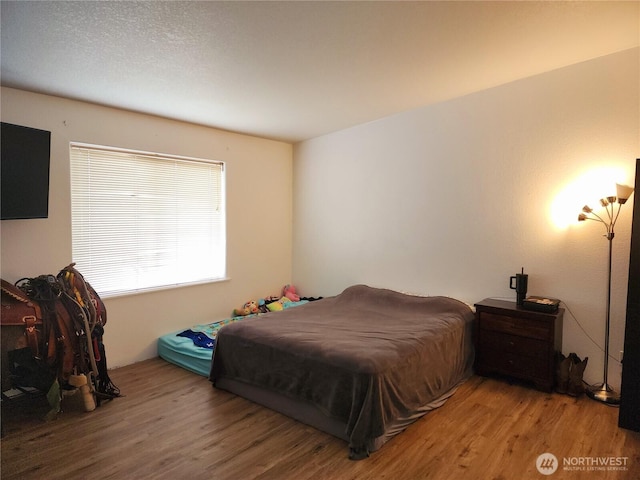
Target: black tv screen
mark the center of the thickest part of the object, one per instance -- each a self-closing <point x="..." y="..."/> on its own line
<point x="24" y="161"/>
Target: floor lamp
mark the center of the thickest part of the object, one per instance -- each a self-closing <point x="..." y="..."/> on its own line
<point x="603" y="392"/>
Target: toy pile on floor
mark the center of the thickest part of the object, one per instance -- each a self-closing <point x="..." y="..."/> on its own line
<point x="272" y="303"/>
<point x="205" y="335"/>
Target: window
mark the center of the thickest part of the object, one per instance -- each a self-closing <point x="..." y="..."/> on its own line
<point x="143" y="221"/>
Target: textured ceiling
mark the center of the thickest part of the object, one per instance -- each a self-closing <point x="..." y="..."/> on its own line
<point x="295" y="70"/>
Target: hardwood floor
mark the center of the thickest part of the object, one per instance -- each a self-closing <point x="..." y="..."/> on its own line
<point x="172" y="424"/>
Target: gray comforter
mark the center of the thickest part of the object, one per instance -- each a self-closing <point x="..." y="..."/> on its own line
<point x="365" y="357"/>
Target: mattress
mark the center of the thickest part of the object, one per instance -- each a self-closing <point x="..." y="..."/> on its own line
<point x="369" y="360"/>
<point x="183" y="352"/>
<point x="192" y="348"/>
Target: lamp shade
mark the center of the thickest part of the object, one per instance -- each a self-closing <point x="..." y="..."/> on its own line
<point x="623" y="192"/>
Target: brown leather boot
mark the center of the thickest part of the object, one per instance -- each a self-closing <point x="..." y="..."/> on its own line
<point x="562" y="373"/>
<point x="576" y="371"/>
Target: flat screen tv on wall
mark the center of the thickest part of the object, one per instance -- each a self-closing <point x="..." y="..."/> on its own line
<point x="24" y="175"/>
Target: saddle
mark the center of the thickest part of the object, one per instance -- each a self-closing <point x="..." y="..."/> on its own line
<point x="18" y="309"/>
<point x="64" y="320"/>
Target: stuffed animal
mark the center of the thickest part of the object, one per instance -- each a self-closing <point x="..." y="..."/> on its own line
<point x="289" y="291"/>
<point x="247" y="309"/>
<point x="279" y="305"/>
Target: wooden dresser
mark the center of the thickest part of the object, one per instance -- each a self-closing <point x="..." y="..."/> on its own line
<point x="518" y="343"/>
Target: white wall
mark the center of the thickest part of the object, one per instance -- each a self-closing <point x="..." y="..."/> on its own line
<point x="259" y="197"/>
<point x="453" y="198"/>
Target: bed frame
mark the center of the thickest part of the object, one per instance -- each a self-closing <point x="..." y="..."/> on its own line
<point x="361" y="366"/>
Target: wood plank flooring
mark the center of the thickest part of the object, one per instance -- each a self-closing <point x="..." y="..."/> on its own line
<point x="173" y="425"/>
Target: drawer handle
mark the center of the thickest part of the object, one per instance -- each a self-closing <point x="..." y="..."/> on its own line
<point x="511" y="344"/>
<point x="510" y="362"/>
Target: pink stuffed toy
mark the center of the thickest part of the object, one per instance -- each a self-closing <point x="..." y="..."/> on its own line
<point x="289" y="291"/>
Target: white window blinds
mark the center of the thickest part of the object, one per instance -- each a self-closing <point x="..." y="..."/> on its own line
<point x="143" y="221"/>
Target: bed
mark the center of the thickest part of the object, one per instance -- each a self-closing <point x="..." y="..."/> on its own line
<point x="361" y="365"/>
<point x="192" y="348"/>
<point x="185" y="352"/>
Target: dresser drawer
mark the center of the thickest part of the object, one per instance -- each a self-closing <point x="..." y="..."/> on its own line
<point x="530" y="328"/>
<point x="503" y="342"/>
<point x="514" y="364"/>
